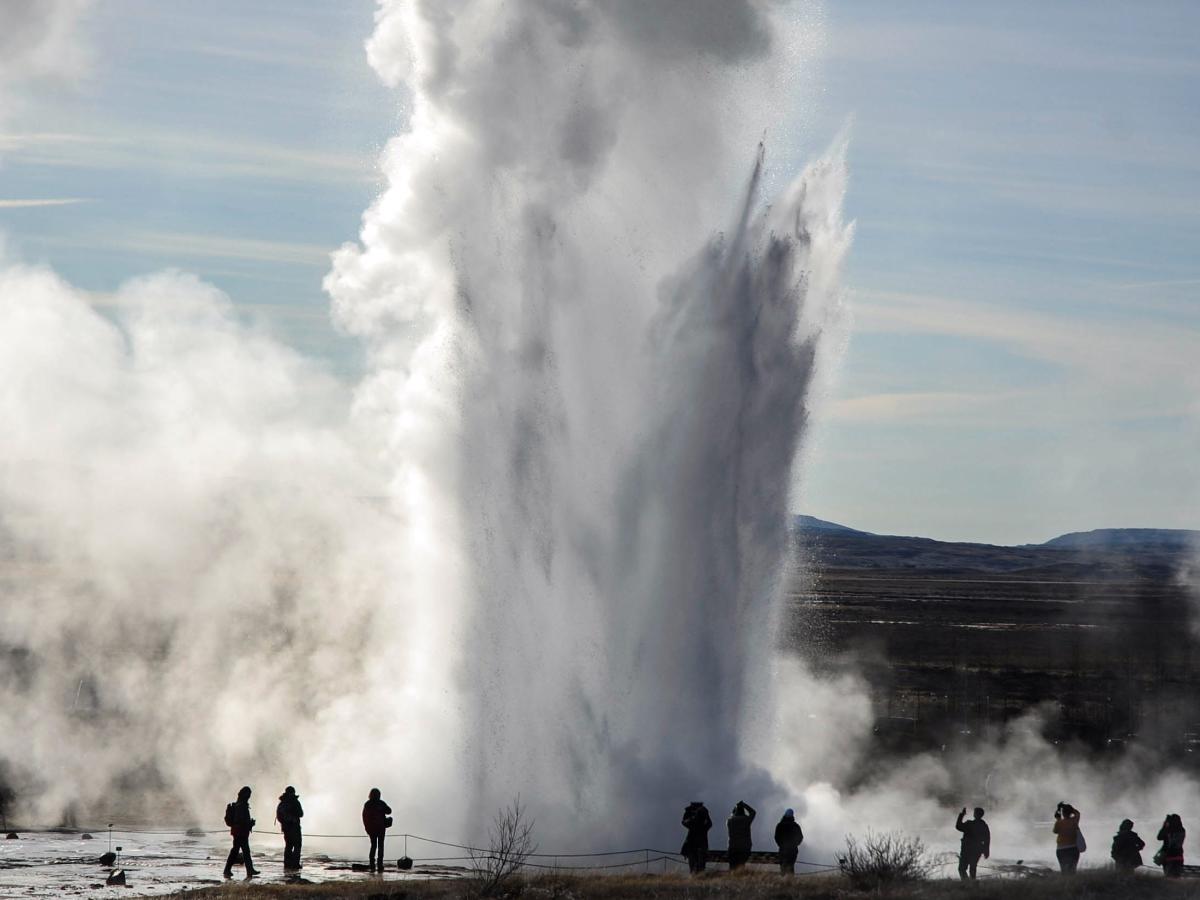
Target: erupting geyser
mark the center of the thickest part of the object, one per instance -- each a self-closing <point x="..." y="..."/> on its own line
<point x="570" y="242"/>
<point x="542" y="553"/>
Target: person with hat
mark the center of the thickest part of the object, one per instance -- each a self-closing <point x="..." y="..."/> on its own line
<point x="241" y="823"/>
<point x="288" y="814"/>
<point x="789" y="837"/>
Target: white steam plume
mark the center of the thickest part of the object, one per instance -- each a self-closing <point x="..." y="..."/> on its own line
<point x="540" y="548"/>
<point x="631" y="388"/>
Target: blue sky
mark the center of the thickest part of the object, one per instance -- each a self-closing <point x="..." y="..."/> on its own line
<point x="1025" y="181"/>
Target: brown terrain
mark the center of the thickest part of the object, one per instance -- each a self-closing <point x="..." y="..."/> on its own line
<point x="955" y="639"/>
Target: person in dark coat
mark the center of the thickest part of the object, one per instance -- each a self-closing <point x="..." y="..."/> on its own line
<point x="1127" y="847"/>
<point x="240" y="827"/>
<point x="288" y="814"/>
<point x="697" y="821"/>
<point x="740" y="842"/>
<point x="976" y="842"/>
<point x="376" y="819"/>
<point x="788" y="837"/>
<point x="1170" y="855"/>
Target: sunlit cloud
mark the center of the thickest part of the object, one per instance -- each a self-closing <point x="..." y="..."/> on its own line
<point x="183" y="244"/>
<point x="26" y="203"/>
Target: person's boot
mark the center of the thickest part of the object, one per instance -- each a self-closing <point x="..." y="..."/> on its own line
<point x="228" y="873"/>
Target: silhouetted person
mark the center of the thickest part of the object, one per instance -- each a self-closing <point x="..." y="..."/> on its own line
<point x="740" y="842"/>
<point x="976" y="842"/>
<point x="240" y="825"/>
<point x="1066" y="830"/>
<point x="376" y="819"/>
<point x="788" y="837"/>
<point x="1127" y="847"/>
<point x="697" y="821"/>
<point x="1170" y="855"/>
<point x="288" y="814"/>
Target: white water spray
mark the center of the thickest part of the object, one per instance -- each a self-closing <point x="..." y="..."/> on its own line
<point x="570" y="242"/>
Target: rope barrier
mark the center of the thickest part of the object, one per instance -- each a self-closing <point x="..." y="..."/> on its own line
<point x="477" y="852"/>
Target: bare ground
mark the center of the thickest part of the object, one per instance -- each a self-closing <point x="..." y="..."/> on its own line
<point x="751" y="886"/>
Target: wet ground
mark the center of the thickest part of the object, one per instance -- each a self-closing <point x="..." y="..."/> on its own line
<point x="56" y="864"/>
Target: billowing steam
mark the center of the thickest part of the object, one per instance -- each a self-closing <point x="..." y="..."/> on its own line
<point x="538" y="549"/>
<point x="39" y="40"/>
<point x="190" y="545"/>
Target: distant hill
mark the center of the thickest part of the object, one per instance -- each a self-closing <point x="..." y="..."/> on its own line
<point x="1127" y="539"/>
<point x="812" y="523"/>
<point x="1114" y="553"/>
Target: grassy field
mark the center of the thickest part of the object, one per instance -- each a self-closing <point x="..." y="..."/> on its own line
<point x="1098" y="886"/>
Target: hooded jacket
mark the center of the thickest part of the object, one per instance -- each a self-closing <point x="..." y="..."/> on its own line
<point x="788" y="835"/>
<point x="1127" y="847"/>
<point x="289" y="812"/>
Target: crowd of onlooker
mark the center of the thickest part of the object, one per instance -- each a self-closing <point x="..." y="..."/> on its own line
<point x="976" y="844"/>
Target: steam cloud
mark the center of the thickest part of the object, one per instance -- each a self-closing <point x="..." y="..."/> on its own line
<point x="537" y="549"/>
<point x="39" y="40"/>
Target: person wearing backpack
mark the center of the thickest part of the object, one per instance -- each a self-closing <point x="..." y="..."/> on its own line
<point x="377" y="818"/>
<point x="237" y="817"/>
<point x="288" y="814"/>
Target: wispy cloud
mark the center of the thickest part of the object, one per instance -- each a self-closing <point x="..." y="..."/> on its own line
<point x="26" y="203"/>
<point x="190" y="155"/>
<point x="1108" y="368"/>
<point x="905" y="407"/>
<point x="1097" y="345"/>
<point x="209" y="246"/>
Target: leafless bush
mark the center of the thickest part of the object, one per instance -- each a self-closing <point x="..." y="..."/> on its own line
<point x="510" y="844"/>
<point x="884" y="858"/>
